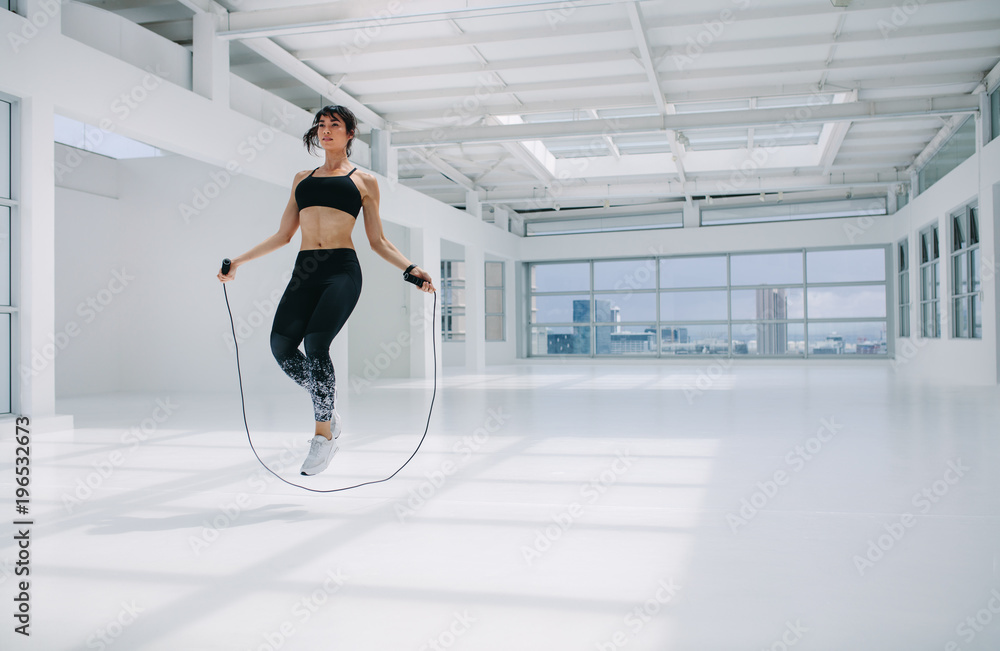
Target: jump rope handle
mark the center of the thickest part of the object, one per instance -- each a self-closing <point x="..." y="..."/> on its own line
<point x="225" y="266"/>
<point x="410" y="278"/>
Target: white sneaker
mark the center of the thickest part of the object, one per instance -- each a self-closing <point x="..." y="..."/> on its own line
<point x="321" y="451"/>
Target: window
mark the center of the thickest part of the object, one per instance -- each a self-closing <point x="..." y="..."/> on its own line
<point x="930" y="311"/>
<point x="495" y="330"/>
<point x="782" y="212"/>
<point x="995" y="113"/>
<point x="966" y="307"/>
<point x="785" y="303"/>
<point x="452" y="300"/>
<point x="960" y="146"/>
<point x="903" y="288"/>
<point x="8" y="213"/>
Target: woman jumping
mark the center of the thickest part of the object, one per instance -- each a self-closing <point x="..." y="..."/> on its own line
<point x="326" y="277"/>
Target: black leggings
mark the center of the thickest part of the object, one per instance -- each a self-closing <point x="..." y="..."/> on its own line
<point x="321" y="294"/>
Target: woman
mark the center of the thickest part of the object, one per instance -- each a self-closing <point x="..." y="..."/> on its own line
<point x="326" y="279"/>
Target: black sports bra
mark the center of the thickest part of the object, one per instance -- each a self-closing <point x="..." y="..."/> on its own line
<point x="329" y="191"/>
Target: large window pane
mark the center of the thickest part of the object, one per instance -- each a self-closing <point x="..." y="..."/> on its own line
<point x="560" y="340"/>
<point x="626" y="340"/>
<point x="961" y="312"/>
<point x="5" y="150"/>
<point x="611" y="308"/>
<point x="4" y="257"/>
<point x="693" y="272"/>
<point x="494" y="301"/>
<point x="4" y="363"/>
<point x="625" y="274"/>
<point x="995" y="113"/>
<point x="928" y="276"/>
<point x="711" y="339"/>
<point x="768" y="339"/>
<point x="859" y="338"/>
<point x="767" y="269"/>
<point x="842" y="302"/>
<point x="494" y="328"/>
<point x="959" y="147"/>
<point x="572" y="308"/>
<point x="960" y="273"/>
<point x="976" y="318"/>
<point x="494" y="274"/>
<point x="768" y="303"/>
<point x="974" y="270"/>
<point x="560" y="277"/>
<point x="847" y="266"/>
<point x="693" y="306"/>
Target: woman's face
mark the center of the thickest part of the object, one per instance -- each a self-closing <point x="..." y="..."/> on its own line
<point x="331" y="133"/>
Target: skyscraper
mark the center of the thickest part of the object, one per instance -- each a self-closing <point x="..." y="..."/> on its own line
<point x="772" y="338"/>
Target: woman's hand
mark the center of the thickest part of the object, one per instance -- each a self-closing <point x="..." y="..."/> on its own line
<point x="229" y="276"/>
<point x="428" y="286"/>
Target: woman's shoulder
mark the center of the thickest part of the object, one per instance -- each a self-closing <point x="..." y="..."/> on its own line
<point x="299" y="176"/>
<point x="367" y="177"/>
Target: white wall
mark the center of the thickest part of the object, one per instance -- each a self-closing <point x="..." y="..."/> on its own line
<point x="90" y="247"/>
<point x="950" y="360"/>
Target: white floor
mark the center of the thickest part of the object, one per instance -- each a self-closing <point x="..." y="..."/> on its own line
<point x="552" y="507"/>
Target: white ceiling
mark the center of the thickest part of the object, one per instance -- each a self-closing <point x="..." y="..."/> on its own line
<point x="589" y="103"/>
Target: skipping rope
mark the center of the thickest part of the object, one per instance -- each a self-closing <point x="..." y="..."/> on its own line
<point x="408" y="278"/>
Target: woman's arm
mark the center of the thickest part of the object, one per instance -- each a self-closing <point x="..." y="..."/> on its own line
<point x="379" y="243"/>
<point x="286" y="229"/>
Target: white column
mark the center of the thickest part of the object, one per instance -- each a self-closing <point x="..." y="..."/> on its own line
<point x="385" y="159"/>
<point x="692" y="215"/>
<point x="37" y="354"/>
<point x="472" y="205"/>
<point x="425" y="328"/>
<point x="511" y="301"/>
<point x="501" y="219"/>
<point x="210" y="73"/>
<point x="475" y="308"/>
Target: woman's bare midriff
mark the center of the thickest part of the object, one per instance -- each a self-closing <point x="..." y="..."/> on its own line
<point x="325" y="228"/>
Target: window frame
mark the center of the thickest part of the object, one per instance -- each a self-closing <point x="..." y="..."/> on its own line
<point x="930" y="305"/>
<point x="903" y="263"/>
<point x="14" y="275"/>
<point x="729" y="325"/>
<point x="502" y="314"/>
<point x="965" y="254"/>
<point x="449" y="309"/>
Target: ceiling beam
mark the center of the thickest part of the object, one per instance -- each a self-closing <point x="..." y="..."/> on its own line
<point x="463" y="92"/>
<point x="947" y="130"/>
<point x="287" y="62"/>
<point x="534" y="62"/>
<point x="667" y="189"/>
<point x="709" y="95"/>
<point x="309" y="19"/>
<point x="444" y="168"/>
<point x="601" y="213"/>
<point x="284" y="59"/>
<point x="904" y="63"/>
<point x="330" y="17"/>
<point x="868" y="36"/>
<point x="852" y="111"/>
<point x="646" y="56"/>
